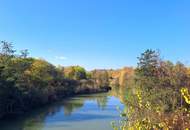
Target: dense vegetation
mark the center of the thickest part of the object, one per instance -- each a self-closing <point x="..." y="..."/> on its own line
<point x="27" y="83"/>
<point x="159" y="97"/>
<point x="157" y="90"/>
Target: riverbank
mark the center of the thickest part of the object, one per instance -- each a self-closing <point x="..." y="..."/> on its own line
<point x="80" y="89"/>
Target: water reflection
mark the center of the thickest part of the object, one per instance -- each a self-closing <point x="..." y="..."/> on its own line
<point x="83" y="112"/>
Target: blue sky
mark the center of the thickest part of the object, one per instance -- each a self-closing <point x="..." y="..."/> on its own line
<point x="97" y="33"/>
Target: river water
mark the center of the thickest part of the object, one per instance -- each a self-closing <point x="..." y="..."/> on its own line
<point x="83" y="112"/>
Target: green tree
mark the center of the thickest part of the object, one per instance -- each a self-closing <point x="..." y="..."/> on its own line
<point x="7" y="49"/>
<point x="75" y="72"/>
<point x="24" y="53"/>
<point x="148" y="63"/>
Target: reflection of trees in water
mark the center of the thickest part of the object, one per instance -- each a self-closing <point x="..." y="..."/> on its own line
<point x="120" y="92"/>
<point x="102" y="101"/>
<point x="35" y="119"/>
<point x="76" y="103"/>
<point x="29" y="120"/>
<point x="72" y="105"/>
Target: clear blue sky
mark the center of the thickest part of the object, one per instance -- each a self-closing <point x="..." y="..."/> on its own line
<point x="97" y="33"/>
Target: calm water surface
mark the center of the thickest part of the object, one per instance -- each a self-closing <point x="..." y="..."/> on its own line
<point x="84" y="112"/>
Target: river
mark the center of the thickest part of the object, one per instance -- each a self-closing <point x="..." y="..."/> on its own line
<point x="83" y="112"/>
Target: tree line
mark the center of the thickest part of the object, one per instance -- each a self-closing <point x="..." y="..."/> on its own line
<point x="27" y="83"/>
